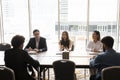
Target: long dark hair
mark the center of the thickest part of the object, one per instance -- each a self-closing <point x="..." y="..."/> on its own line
<point x="66" y="35"/>
<point x="98" y="34"/>
<point x="65" y="42"/>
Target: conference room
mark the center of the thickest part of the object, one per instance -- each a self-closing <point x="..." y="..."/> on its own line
<point x="84" y="23"/>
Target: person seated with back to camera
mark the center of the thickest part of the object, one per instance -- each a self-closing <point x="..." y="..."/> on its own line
<point x="65" y="43"/>
<point x="17" y="59"/>
<point x="37" y="43"/>
<point x="108" y="58"/>
<point x="95" y="45"/>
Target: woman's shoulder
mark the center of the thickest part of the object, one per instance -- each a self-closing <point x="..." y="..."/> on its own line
<point x="71" y="41"/>
<point x="60" y="41"/>
<point x="99" y="42"/>
<point x="90" y="42"/>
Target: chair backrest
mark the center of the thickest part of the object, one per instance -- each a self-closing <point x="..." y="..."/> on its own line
<point x="64" y="69"/>
<point x="4" y="46"/>
<point x="6" y="74"/>
<point x="111" y="73"/>
<point x="73" y="46"/>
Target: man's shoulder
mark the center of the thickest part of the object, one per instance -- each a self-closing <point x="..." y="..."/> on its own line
<point x="32" y="38"/>
<point x="23" y="51"/>
<point x="15" y="51"/>
<point x="42" y="38"/>
<point x="101" y="55"/>
<point x="8" y="50"/>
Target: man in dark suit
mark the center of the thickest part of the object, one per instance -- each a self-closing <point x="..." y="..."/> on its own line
<point x="108" y="58"/>
<point x="37" y="43"/>
<point x="17" y="59"/>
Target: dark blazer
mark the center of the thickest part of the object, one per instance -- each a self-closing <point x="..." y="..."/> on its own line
<point x="109" y="58"/>
<point x="17" y="60"/>
<point x="42" y="44"/>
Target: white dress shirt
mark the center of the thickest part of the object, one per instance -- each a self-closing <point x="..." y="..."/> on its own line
<point x="37" y="43"/>
<point x="95" y="45"/>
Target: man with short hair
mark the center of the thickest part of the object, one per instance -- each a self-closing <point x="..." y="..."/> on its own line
<point x="37" y="43"/>
<point x="17" y="59"/>
<point x="108" y="58"/>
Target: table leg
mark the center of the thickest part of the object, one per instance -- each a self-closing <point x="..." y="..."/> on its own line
<point x="85" y="73"/>
<point x="44" y="74"/>
<point x="48" y="74"/>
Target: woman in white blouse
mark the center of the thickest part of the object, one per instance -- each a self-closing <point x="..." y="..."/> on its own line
<point x="95" y="45"/>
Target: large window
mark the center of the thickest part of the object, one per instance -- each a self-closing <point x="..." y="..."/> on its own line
<point x="103" y="17"/>
<point x="73" y="18"/>
<point x="44" y="15"/>
<point x="79" y="17"/>
<point x="15" y="18"/>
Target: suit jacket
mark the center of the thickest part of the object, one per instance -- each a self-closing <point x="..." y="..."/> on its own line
<point x="42" y="44"/>
<point x="17" y="60"/>
<point x="109" y="58"/>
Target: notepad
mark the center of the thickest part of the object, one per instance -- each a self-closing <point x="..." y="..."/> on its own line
<point x="32" y="52"/>
<point x="59" y="53"/>
<point x="93" y="53"/>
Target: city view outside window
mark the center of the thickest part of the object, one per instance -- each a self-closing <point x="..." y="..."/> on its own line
<point x="103" y="17"/>
<point x="44" y="15"/>
<point x="78" y="17"/>
<point x="15" y="18"/>
<point x="73" y="18"/>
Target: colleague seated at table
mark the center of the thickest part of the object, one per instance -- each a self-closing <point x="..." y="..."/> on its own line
<point x="108" y="58"/>
<point x="37" y="43"/>
<point x="65" y="43"/>
<point x="95" y="45"/>
<point x="17" y="59"/>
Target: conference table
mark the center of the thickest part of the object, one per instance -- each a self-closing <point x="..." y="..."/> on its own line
<point x="46" y="59"/>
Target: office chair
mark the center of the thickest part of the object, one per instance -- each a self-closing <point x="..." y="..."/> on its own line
<point x="4" y="46"/>
<point x="73" y="47"/>
<point x="64" y="70"/>
<point x="6" y="74"/>
<point x="111" y="73"/>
